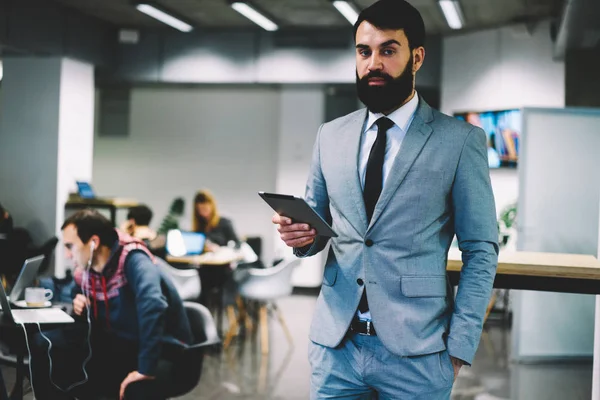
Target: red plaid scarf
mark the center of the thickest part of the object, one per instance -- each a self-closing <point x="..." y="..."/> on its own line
<point x="106" y="285"/>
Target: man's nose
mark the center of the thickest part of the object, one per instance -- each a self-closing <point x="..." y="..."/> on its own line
<point x="375" y="63"/>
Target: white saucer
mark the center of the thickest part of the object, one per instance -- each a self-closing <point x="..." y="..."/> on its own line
<point x="23" y="304"/>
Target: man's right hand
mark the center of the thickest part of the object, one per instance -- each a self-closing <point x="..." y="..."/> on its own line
<point x="294" y="235"/>
<point x="79" y="304"/>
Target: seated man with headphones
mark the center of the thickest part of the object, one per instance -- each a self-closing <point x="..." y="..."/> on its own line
<point x="132" y="319"/>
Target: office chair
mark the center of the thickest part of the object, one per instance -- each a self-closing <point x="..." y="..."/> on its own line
<point x="205" y="335"/>
<point x="186" y="281"/>
<point x="265" y="286"/>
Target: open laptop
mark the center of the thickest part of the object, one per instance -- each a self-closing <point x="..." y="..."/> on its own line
<point x="40" y="315"/>
<point x="26" y="278"/>
<point x="85" y="191"/>
<point x="182" y="243"/>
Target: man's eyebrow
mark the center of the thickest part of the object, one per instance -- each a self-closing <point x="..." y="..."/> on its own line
<point x="384" y="44"/>
<point x="389" y="42"/>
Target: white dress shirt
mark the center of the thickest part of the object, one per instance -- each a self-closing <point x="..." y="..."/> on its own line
<point x="402" y="119"/>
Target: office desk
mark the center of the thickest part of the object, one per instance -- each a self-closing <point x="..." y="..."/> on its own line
<point x="112" y="205"/>
<point x="225" y="256"/>
<point x="550" y="272"/>
<point x="12" y="334"/>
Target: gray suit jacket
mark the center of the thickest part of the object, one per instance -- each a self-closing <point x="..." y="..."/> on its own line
<point x="439" y="186"/>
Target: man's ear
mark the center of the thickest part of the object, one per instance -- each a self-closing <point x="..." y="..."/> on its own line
<point x="95" y="241"/>
<point x="418" y="58"/>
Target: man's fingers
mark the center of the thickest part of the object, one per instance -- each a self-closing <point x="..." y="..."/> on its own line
<point x="294" y="234"/>
<point x="299" y="242"/>
<point x="76" y="307"/>
<point x="293" y="228"/>
<point x="123" y="387"/>
<point x="298" y="235"/>
<point x="79" y="303"/>
<point x="281" y="220"/>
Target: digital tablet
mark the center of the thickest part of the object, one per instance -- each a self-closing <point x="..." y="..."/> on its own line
<point x="298" y="210"/>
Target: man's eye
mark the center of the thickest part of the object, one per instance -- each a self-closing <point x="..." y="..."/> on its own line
<point x="388" y="52"/>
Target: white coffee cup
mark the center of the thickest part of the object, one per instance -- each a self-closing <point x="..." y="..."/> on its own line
<point x="36" y="296"/>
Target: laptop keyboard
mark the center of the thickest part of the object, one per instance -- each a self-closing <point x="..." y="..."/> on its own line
<point x="50" y="315"/>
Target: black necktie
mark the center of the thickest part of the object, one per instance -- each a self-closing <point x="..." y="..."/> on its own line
<point x="374" y="175"/>
<point x="374" y="182"/>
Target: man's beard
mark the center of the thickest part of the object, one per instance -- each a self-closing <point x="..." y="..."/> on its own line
<point x="391" y="95"/>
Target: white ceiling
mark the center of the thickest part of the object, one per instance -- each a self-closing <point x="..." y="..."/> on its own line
<point x="479" y="14"/>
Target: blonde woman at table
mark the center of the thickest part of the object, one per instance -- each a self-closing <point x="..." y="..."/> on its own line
<point x="219" y="232"/>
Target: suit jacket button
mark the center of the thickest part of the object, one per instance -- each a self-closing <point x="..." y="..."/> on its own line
<point x="360" y="282"/>
<point x="369" y="242"/>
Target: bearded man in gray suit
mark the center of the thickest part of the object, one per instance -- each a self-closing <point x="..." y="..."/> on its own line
<point x="396" y="181"/>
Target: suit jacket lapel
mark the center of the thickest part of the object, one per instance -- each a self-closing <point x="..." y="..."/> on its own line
<point x="350" y="149"/>
<point x="414" y="140"/>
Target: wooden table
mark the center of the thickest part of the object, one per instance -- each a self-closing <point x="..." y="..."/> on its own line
<point x="550" y="272"/>
<point x="225" y="256"/>
<point x="111" y="204"/>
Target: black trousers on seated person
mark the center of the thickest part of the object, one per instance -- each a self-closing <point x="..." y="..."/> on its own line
<point x="112" y="359"/>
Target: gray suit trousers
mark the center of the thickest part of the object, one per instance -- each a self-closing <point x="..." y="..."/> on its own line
<point x="361" y="368"/>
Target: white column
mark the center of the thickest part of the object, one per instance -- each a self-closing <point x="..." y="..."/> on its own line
<point x="75" y="138"/>
<point x="46" y="140"/>
<point x="596" y="368"/>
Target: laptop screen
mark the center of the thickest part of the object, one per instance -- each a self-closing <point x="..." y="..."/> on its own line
<point x="85" y="190"/>
<point x="27" y="276"/>
<point x="182" y="243"/>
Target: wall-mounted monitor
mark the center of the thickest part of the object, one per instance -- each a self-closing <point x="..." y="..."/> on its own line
<point x="503" y="130"/>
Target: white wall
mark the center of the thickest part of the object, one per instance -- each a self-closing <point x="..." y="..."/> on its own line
<point x="501" y="69"/>
<point x="30" y="115"/>
<point x="184" y="139"/>
<point x="249" y="57"/>
<point x="302" y="111"/>
<point x="234" y="57"/>
<point x="559" y="214"/>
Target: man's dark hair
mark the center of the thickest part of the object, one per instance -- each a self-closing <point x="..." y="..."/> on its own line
<point x="89" y="223"/>
<point x="2" y="210"/>
<point x="142" y="215"/>
<point x="395" y="14"/>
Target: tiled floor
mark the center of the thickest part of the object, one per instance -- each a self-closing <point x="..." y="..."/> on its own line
<point x="242" y="373"/>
